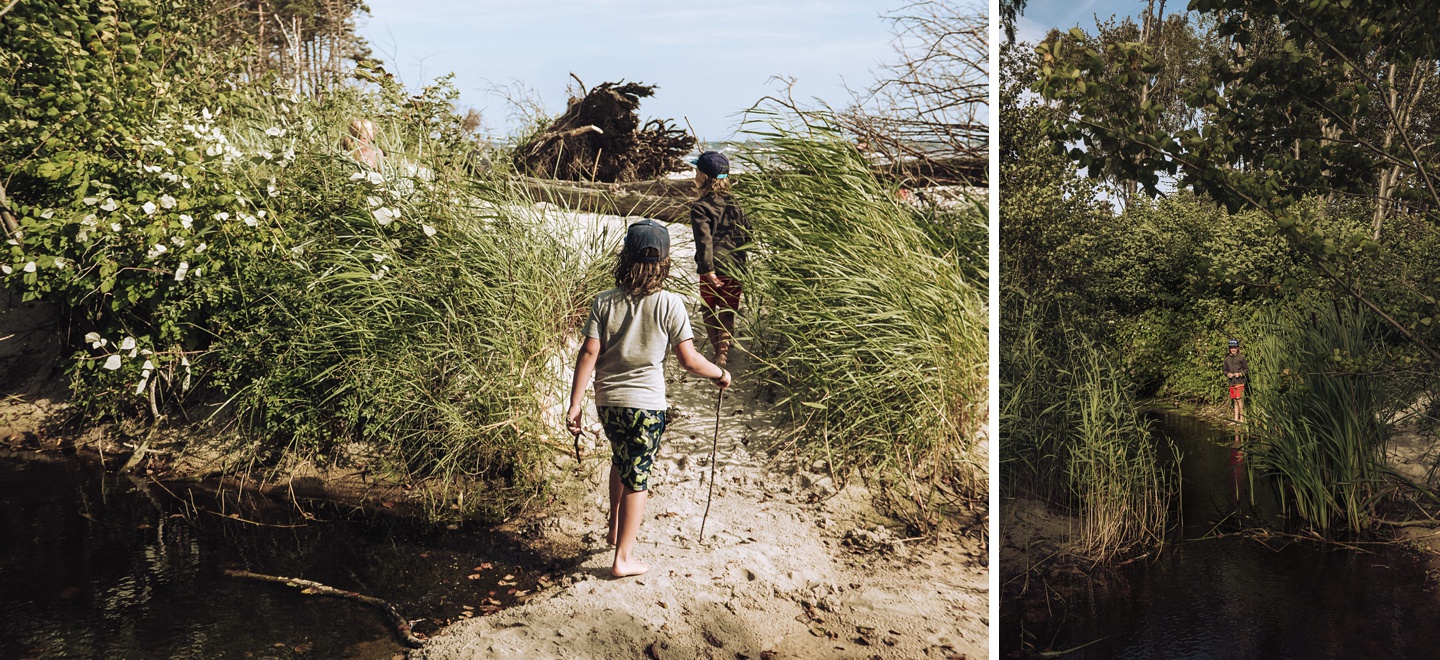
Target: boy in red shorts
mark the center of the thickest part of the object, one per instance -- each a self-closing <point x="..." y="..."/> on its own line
<point x="1237" y="370"/>
<point x="721" y="229"/>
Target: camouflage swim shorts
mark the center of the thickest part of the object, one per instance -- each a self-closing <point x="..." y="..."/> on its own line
<point x="634" y="438"/>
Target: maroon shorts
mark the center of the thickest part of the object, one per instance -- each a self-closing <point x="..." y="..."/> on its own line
<point x="722" y="296"/>
<point x="1237" y="391"/>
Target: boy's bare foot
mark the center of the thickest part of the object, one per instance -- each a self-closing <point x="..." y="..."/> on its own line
<point x="628" y="568"/>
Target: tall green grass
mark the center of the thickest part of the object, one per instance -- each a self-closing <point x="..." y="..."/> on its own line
<point x="1071" y="435"/>
<point x="1320" y="409"/>
<point x="429" y="348"/>
<point x="872" y="317"/>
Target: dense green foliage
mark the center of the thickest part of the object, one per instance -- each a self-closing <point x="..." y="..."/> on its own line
<point x="1328" y="284"/>
<point x="1334" y="103"/>
<point x="872" y="321"/>
<point x="214" y="240"/>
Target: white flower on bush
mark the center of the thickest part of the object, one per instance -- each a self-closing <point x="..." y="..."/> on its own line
<point x="6" y="269"/>
<point x="265" y="154"/>
<point x="109" y="205"/>
<point x="156" y="250"/>
<point x="385" y="215"/>
<point x="167" y="202"/>
<point x="380" y="273"/>
<point x="374" y="201"/>
<point x="272" y="189"/>
<point x="47" y="214"/>
<point x="181" y="271"/>
<point x="96" y="341"/>
<point x="29" y="267"/>
<point x="357" y="176"/>
<point x="205" y="112"/>
<point x="179" y="242"/>
<point x="186" y="221"/>
<point x="61" y="262"/>
<point x="113" y="362"/>
<point x="250" y="220"/>
<point x="375" y="178"/>
<point x="171" y="177"/>
<point x="379" y="257"/>
<point x="90" y="201"/>
<point x="240" y="201"/>
<point x="151" y="168"/>
<point x="429" y="231"/>
<point x="115" y="227"/>
<point x="148" y="208"/>
<point x="127" y="344"/>
<point x="275" y="132"/>
<point x="222" y="216"/>
<point x="201" y="248"/>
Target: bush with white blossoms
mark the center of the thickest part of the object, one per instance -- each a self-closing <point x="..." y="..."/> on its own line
<point x="219" y="243"/>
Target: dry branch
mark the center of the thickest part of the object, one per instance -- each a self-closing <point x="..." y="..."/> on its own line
<point x="399" y="624"/>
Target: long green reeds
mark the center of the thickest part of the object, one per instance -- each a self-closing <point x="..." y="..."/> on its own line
<point x="872" y="319"/>
<point x="414" y="326"/>
<point x="1320" y="412"/>
<point x="1071" y="435"/>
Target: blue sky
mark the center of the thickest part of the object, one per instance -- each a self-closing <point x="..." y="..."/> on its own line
<point x="710" y="60"/>
<point x="1041" y="15"/>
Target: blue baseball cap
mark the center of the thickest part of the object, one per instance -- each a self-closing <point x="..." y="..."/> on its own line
<point x="713" y="164"/>
<point x="1234" y="343"/>
<point x="648" y="234"/>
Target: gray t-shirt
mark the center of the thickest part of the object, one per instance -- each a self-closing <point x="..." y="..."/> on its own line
<point x="635" y="336"/>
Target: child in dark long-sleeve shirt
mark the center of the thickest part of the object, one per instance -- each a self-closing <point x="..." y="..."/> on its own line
<point x="721" y="230"/>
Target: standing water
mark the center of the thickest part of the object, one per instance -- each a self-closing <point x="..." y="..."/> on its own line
<point x="98" y="565"/>
<point x="1233" y="596"/>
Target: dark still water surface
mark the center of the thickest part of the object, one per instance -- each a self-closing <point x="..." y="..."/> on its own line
<point x="1234" y="597"/>
<point x="94" y="565"/>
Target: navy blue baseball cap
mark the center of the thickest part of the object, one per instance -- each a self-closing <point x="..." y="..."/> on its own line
<point x="648" y="234"/>
<point x="713" y="164"/>
<point x="1234" y="343"/>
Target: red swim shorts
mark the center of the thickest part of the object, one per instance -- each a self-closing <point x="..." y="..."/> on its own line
<point x="1237" y="391"/>
<point x="725" y="295"/>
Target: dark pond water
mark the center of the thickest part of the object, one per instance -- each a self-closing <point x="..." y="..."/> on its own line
<point x="94" y="565"/>
<point x="1233" y="597"/>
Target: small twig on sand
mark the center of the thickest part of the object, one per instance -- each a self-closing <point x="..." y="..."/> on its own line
<point x="400" y="624"/>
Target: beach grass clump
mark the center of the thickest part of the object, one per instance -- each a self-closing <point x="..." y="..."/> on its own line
<point x="411" y="325"/>
<point x="870" y="318"/>
<point x="1072" y="435"/>
<point x="1319" y="404"/>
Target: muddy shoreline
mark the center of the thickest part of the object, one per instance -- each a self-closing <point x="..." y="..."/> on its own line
<point x="793" y="565"/>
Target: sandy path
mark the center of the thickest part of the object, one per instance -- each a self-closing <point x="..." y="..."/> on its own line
<point x="773" y="579"/>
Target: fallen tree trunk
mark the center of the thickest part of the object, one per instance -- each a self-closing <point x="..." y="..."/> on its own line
<point x="667" y="200"/>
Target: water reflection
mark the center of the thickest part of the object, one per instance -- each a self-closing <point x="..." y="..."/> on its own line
<point x="1232" y="597"/>
<point x="93" y="565"/>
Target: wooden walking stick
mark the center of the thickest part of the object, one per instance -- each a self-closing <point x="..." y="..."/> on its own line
<point x="715" y="441"/>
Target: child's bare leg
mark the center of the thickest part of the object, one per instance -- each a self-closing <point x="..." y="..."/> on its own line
<point x="712" y="326"/>
<point x="632" y="508"/>
<point x="727" y="322"/>
<point x="1240" y="410"/>
<point x="615" y="492"/>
